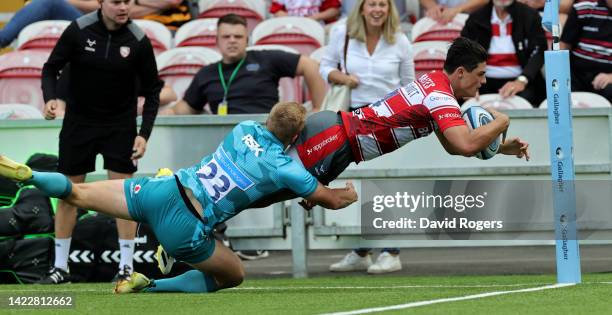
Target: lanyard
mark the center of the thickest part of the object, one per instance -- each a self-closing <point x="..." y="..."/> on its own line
<point x="229" y="82"/>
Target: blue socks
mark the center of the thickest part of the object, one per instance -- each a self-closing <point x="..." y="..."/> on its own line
<point x="193" y="281"/>
<point x="55" y="185"/>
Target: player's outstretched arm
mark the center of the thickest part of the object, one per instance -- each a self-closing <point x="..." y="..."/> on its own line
<point x="515" y="146"/>
<point x="459" y="140"/>
<point x="333" y="198"/>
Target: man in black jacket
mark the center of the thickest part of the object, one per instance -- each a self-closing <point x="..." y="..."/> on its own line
<point x="512" y="34"/>
<point x="111" y="60"/>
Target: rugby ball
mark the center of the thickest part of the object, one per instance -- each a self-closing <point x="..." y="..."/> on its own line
<point x="476" y="116"/>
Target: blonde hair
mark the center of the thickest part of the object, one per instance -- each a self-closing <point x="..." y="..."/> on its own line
<point x="286" y="120"/>
<point x="355" y="23"/>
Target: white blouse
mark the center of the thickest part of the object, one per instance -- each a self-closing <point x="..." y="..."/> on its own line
<point x="388" y="68"/>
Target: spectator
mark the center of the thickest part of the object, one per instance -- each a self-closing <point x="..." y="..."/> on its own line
<point x="324" y="11"/>
<point x="106" y="75"/>
<point x="400" y="5"/>
<point x="588" y="34"/>
<point x="40" y="10"/>
<point x="379" y="57"/>
<point x="244" y="82"/>
<point x="171" y="13"/>
<point x="512" y="33"/>
<point x="445" y="11"/>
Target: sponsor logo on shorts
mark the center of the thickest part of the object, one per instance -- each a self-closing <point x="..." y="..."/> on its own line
<point x="137" y="189"/>
<point x="321" y="144"/>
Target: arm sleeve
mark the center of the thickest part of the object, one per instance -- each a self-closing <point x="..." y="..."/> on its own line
<point x="444" y="110"/>
<point x="537" y="39"/>
<point x="195" y="96"/>
<point x="406" y="70"/>
<point x="284" y="63"/>
<point x="276" y="6"/>
<point x="151" y="86"/>
<point x="331" y="59"/>
<point x="297" y="178"/>
<point x="62" y="54"/>
<point x="571" y="30"/>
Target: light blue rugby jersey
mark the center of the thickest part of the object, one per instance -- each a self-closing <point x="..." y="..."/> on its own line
<point x="249" y="164"/>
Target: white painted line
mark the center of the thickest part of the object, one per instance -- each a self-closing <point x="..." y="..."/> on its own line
<point x="460" y="298"/>
<point x="450" y="286"/>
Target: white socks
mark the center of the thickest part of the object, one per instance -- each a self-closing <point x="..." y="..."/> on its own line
<point x="127" y="254"/>
<point x="62" y="250"/>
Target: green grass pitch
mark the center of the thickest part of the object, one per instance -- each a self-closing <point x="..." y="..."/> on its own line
<point x="336" y="294"/>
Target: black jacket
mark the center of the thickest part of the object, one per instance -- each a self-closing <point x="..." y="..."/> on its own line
<point x="108" y="70"/>
<point x="527" y="34"/>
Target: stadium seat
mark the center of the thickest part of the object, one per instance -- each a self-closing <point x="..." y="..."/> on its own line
<point x="427" y="29"/>
<point x="199" y="32"/>
<point x="289" y="89"/>
<point x="429" y="56"/>
<point x="302" y="34"/>
<point x="20" y="73"/>
<point x="177" y="66"/>
<point x="497" y="102"/>
<point x="19" y="111"/>
<point x="318" y="53"/>
<point x="41" y="35"/>
<point x="585" y="100"/>
<point x="158" y="34"/>
<point x="254" y="11"/>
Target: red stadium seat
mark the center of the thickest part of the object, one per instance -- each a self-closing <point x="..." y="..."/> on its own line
<point x="177" y="66"/>
<point x="20" y="73"/>
<point x="427" y="29"/>
<point x="302" y="34"/>
<point x="254" y="11"/>
<point x="159" y="35"/>
<point x="199" y="32"/>
<point x="41" y="35"/>
<point x="429" y="56"/>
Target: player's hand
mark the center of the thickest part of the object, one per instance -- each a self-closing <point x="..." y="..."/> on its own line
<point x="139" y="148"/>
<point x="50" y="109"/>
<point x="448" y="14"/>
<point x="602" y="80"/>
<point x="351" y="81"/>
<point x="497" y="114"/>
<point x="350" y="188"/>
<point x="434" y="12"/>
<point x="307" y="205"/>
<point x="515" y="146"/>
<point x="511" y="88"/>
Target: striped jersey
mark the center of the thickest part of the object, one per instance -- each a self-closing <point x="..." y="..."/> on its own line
<point x="589" y="31"/>
<point x="406" y="114"/>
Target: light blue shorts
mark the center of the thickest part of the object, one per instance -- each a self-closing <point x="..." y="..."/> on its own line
<point x="158" y="202"/>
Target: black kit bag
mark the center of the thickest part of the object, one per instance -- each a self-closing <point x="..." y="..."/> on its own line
<point x="30" y="213"/>
<point x="25" y="260"/>
<point x="95" y="255"/>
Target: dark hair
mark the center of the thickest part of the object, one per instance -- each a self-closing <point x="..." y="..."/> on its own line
<point x="233" y="19"/>
<point x="466" y="53"/>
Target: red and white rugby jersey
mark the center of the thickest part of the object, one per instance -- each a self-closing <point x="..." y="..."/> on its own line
<point x="408" y="113"/>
